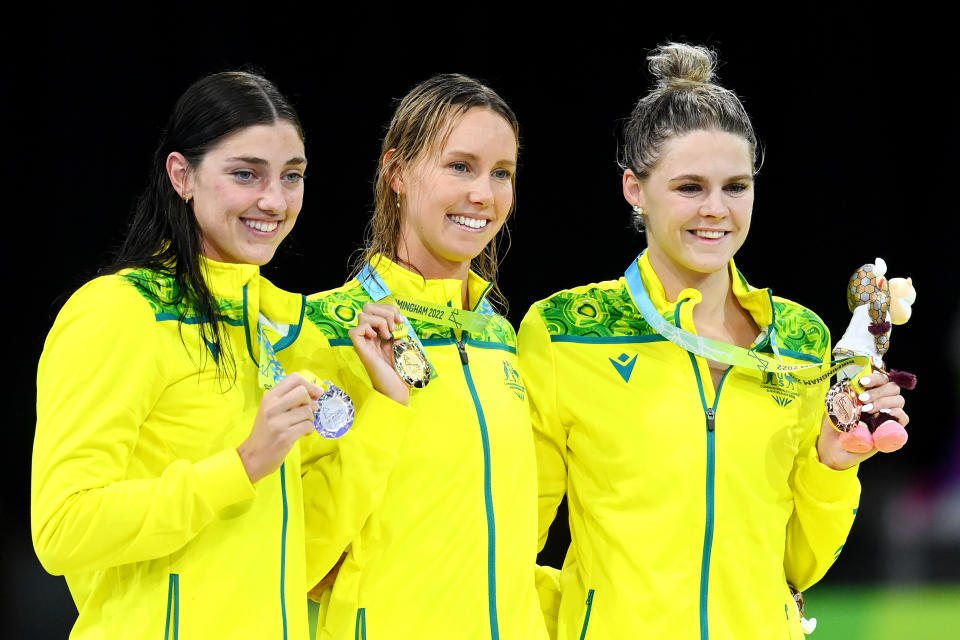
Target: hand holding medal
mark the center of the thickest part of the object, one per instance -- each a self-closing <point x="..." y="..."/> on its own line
<point x="865" y="407"/>
<point x="286" y="414"/>
<point x="373" y="339"/>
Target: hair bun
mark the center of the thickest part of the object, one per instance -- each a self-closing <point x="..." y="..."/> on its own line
<point x="678" y="64"/>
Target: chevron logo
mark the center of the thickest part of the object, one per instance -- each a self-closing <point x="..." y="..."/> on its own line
<point x="624" y="365"/>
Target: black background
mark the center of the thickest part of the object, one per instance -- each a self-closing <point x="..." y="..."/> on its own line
<point x="855" y="111"/>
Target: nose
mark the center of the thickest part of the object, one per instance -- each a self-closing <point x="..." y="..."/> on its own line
<point x="481" y="192"/>
<point x="713" y="205"/>
<point x="272" y="198"/>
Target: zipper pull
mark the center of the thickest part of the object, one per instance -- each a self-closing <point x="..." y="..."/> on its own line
<point x="711" y="419"/>
<point x="463" y="353"/>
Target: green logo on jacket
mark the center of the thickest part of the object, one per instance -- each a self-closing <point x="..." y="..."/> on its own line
<point x="513" y="381"/>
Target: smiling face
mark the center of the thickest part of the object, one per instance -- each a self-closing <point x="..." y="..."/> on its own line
<point x="246" y="192"/>
<point x="698" y="201"/>
<point x="456" y="198"/>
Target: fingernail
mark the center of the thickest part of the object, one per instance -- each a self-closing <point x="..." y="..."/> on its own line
<point x="866" y="408"/>
<point x="865" y="380"/>
<point x="884" y="410"/>
<point x="863" y="397"/>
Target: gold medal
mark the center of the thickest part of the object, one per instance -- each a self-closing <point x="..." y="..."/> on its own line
<point x="843" y="406"/>
<point x="411" y="363"/>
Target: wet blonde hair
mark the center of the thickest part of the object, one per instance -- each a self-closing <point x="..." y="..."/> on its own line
<point x="683" y="100"/>
<point x="421" y="124"/>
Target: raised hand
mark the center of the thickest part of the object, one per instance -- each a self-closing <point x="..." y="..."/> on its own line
<point x="373" y="340"/>
<point x="285" y="416"/>
<point x="881" y="397"/>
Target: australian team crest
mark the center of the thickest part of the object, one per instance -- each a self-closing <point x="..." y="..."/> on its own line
<point x="512" y="380"/>
<point x="781" y="387"/>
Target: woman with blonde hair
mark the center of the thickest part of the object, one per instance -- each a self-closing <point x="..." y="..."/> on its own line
<point x="449" y="545"/>
<point x="700" y="490"/>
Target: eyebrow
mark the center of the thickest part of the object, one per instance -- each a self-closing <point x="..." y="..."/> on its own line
<point x="475" y="157"/>
<point x="261" y="161"/>
<point x="695" y="178"/>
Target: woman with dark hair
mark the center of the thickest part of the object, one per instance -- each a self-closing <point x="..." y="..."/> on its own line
<point x="166" y="482"/>
<point x="700" y="490"/>
<point x="448" y="549"/>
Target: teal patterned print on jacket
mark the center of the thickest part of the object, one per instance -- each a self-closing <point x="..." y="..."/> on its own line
<point x="602" y="313"/>
<point x="162" y="293"/>
<point x="800" y="330"/>
<point x="594" y="313"/>
<point x="335" y="313"/>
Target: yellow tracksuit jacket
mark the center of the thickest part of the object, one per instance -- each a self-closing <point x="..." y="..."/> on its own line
<point x="449" y="546"/>
<point x="138" y="495"/>
<point x="691" y="508"/>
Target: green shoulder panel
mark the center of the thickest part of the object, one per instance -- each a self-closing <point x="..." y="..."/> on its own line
<point x="335" y="312"/>
<point x="801" y="330"/>
<point x="498" y="330"/>
<point x="597" y="311"/>
<point x="163" y="295"/>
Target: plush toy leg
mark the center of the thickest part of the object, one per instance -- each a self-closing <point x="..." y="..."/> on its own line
<point x="889" y="436"/>
<point x="857" y="440"/>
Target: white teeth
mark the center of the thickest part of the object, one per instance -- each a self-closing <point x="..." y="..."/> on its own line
<point x="262" y="225"/>
<point x="473" y="223"/>
<point x="708" y="234"/>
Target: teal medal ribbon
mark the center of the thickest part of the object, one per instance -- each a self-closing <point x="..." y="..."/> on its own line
<point x="334" y="414"/>
<point x="730" y="354"/>
<point x="378" y="290"/>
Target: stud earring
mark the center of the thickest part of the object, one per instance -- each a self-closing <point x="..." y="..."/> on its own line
<point x="639" y="218"/>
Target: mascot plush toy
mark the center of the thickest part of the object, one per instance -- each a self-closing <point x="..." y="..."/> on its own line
<point x="876" y="304"/>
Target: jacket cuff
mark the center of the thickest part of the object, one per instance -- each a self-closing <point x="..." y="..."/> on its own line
<point x="824" y="484"/>
<point x="222" y="480"/>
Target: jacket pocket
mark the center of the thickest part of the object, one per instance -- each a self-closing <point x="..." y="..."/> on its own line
<point x="172" y="629"/>
<point x="586" y="616"/>
<point x="360" y="630"/>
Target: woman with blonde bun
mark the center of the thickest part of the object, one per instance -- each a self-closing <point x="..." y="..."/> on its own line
<point x="701" y="490"/>
<point x="449" y="546"/>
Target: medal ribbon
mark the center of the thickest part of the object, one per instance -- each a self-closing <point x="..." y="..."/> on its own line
<point x="460" y="319"/>
<point x="807" y="374"/>
<point x="377" y="289"/>
<point x="270" y="371"/>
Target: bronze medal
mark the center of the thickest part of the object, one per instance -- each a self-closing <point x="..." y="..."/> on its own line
<point x="843" y="407"/>
<point x="411" y="363"/>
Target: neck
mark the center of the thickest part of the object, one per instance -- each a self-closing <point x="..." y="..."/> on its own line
<point x="433" y="267"/>
<point x="714" y="287"/>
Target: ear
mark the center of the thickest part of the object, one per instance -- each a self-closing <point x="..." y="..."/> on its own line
<point x="180" y="174"/>
<point x="396" y="175"/>
<point x="633" y="189"/>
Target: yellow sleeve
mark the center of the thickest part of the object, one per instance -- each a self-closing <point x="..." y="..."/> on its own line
<point x="550" y="442"/>
<point x="101" y="371"/>
<point x="825" y="504"/>
<point x="550" y="436"/>
<point x="344" y="479"/>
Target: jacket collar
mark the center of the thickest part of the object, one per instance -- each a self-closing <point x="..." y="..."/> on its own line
<point x="236" y="281"/>
<point x="225" y="279"/>
<point x="757" y="302"/>
<point x="442" y="290"/>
